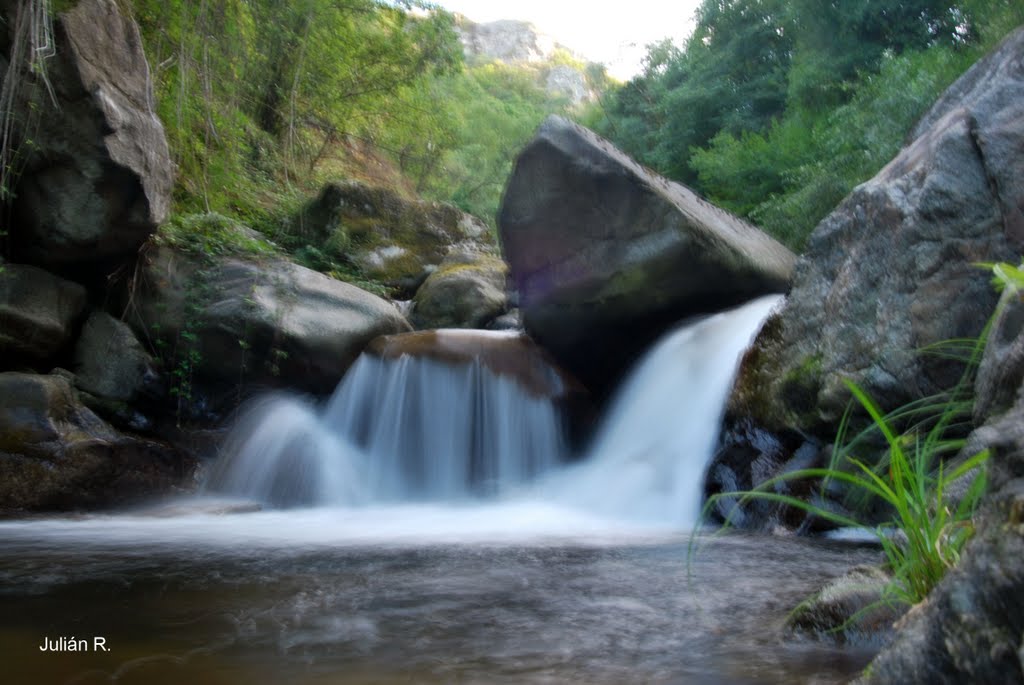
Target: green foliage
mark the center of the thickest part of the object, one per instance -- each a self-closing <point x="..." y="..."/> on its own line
<point x="932" y="506"/>
<point x="776" y="109"/>
<point x="494" y="109"/>
<point x="208" y="234"/>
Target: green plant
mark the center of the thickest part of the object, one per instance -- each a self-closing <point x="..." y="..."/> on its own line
<point x="932" y="505"/>
<point x="932" y="502"/>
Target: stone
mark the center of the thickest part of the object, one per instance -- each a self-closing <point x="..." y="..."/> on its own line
<point x="56" y="455"/>
<point x="512" y="355"/>
<point x="892" y="271"/>
<point x="111" y="363"/>
<point x="393" y="240"/>
<point x="466" y="291"/>
<point x="98" y="180"/>
<point x="1001" y="370"/>
<point x="606" y="256"/>
<point x="39" y="313"/>
<point x="850" y="609"/>
<point x="249" y="323"/>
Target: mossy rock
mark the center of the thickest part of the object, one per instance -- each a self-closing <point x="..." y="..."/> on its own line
<point x="388" y="238"/>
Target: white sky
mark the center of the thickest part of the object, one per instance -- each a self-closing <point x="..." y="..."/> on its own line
<point x="615" y="36"/>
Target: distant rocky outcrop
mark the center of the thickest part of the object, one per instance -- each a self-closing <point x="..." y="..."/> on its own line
<point x="893" y="270"/>
<point x="256" y="323"/>
<point x="521" y="43"/>
<point x="97" y="176"/>
<point x="393" y="240"/>
<point x="606" y="256"/>
<point x="505" y="40"/>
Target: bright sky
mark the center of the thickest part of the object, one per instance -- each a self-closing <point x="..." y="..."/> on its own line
<point x="614" y="35"/>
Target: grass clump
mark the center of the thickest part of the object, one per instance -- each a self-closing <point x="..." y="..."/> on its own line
<point x="210" y="234"/>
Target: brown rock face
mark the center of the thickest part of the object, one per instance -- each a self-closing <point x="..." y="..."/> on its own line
<point x="505" y="354"/>
<point x="606" y="256"/>
<point x="892" y="270"/>
<point x="98" y="180"/>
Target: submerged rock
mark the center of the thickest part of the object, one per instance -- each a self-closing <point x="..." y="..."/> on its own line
<point x="466" y="291"/>
<point x="606" y="256"/>
<point x="237" y="322"/>
<point x="55" y="454"/>
<point x="893" y="270"/>
<point x="38" y="314"/>
<point x="98" y="179"/>
<point x="850" y="609"/>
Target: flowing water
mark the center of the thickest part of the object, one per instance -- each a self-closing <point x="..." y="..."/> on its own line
<point x="422" y="526"/>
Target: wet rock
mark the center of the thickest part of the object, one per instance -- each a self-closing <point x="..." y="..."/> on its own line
<point x="393" y="240"/>
<point x="38" y="314"/>
<point x="466" y="291"/>
<point x="55" y="454"/>
<point x="239" y="322"/>
<point x="111" y="363"/>
<point x="850" y="610"/>
<point x="606" y="256"/>
<point x="892" y="270"/>
<point x="509" y="321"/>
<point x="98" y="180"/>
<point x="505" y="354"/>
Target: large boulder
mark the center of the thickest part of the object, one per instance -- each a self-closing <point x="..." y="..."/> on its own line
<point x="55" y="454"/>
<point x="98" y="178"/>
<point x="39" y="313"/>
<point x="393" y="240"/>
<point x="233" y="320"/>
<point x="893" y="270"/>
<point x="606" y="256"/>
<point x="466" y="291"/>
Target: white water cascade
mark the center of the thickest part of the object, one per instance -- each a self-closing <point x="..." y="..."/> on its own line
<point x="413" y="429"/>
<point x="648" y="459"/>
<point x="395" y="430"/>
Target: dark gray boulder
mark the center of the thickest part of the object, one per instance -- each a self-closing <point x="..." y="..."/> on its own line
<point x="237" y="321"/>
<point x="606" y="256"/>
<point x="38" y="314"/>
<point x="55" y="454"/>
<point x="98" y="178"/>
<point x="893" y="270"/>
<point x="111" y="363"/>
<point x="466" y="291"/>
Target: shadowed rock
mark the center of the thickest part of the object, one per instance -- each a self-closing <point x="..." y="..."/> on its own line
<point x="606" y="256"/>
<point x="98" y="178"/>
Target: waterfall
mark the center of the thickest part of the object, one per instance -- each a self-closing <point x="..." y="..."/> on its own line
<point x="414" y="428"/>
<point x="650" y="453"/>
<point x="395" y="430"/>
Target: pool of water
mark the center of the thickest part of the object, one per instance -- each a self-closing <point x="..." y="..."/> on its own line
<point x="403" y="595"/>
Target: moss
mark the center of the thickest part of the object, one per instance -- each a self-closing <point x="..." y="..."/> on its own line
<point x="209" y="234"/>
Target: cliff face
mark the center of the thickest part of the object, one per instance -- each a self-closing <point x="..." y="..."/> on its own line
<point x="521" y="43"/>
<point x="506" y="41"/>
